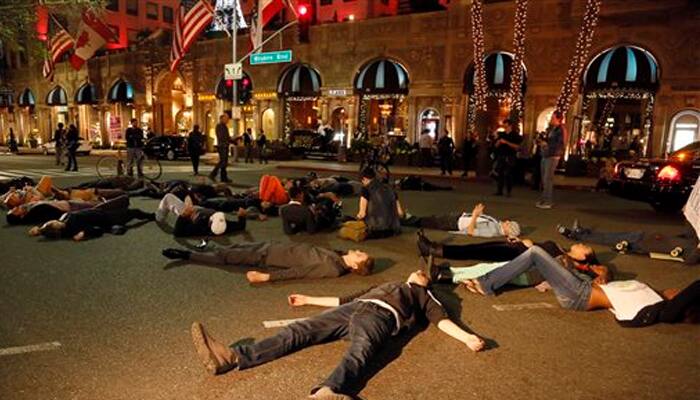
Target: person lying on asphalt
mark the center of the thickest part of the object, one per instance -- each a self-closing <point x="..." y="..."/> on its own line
<point x="476" y="224"/>
<point x="196" y="220"/>
<point x="639" y="242"/>
<point x="45" y="190"/>
<point x="20" y="182"/>
<point x="413" y="182"/>
<point x="368" y="320"/>
<point x="283" y="261"/>
<point x="39" y="212"/>
<point x="379" y="207"/>
<point x="112" y="216"/>
<point x="578" y="256"/>
<point x="300" y="216"/>
<point x="634" y="303"/>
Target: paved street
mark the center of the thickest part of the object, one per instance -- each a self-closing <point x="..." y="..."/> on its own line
<point x="111" y="316"/>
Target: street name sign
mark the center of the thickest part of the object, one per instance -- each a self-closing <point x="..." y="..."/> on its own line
<point x="272" y="57"/>
<point x="233" y="71"/>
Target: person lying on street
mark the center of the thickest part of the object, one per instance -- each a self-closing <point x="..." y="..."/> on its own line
<point x="282" y="261"/>
<point x="476" y="224"/>
<point x="299" y="216"/>
<point x="368" y="320"/>
<point x="578" y="256"/>
<point x="413" y="182"/>
<point x="633" y="303"/>
<point x="194" y="220"/>
<point x="255" y="208"/>
<point x="39" y="212"/>
<point x="379" y="207"/>
<point x="19" y="182"/>
<point x="45" y="190"/>
<point x="639" y="242"/>
<point x="112" y="216"/>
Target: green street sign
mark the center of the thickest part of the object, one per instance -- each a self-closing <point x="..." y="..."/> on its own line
<point x="272" y="57"/>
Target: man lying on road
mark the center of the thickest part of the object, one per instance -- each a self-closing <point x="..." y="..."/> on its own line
<point x="367" y="320"/>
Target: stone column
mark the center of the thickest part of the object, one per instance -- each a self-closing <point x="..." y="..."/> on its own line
<point x="352" y="119"/>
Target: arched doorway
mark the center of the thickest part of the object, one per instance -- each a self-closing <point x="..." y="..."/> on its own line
<point x="382" y="87"/>
<point x="171" y="106"/>
<point x="543" y="119"/>
<point x="299" y="88"/>
<point x="684" y="130"/>
<point x="268" y="122"/>
<point x="498" y="67"/>
<point x="619" y="88"/>
<point x="88" y="114"/>
<point x="57" y="100"/>
<point x="429" y="120"/>
<point x="121" y="97"/>
<point x="339" y="124"/>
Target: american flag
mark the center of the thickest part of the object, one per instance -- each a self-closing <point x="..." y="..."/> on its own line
<point x="56" y="47"/>
<point x="188" y="26"/>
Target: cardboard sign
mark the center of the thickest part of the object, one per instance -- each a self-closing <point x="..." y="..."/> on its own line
<point x="692" y="208"/>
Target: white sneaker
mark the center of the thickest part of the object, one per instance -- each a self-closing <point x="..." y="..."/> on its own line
<point x="543" y="205"/>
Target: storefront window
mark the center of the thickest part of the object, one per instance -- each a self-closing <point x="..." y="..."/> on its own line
<point x="430" y="120"/>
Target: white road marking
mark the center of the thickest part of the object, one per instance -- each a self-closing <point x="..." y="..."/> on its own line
<point x="30" y="349"/>
<point x="282" y="322"/>
<point x="523" y="306"/>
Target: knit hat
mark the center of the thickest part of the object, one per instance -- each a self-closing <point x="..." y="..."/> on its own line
<point x="217" y="223"/>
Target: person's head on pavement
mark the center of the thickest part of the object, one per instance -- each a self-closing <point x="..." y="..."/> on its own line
<point x="359" y="262"/>
<point x="583" y="253"/>
<point x="50" y="229"/>
<point x="510" y="228"/>
<point x="419" y="278"/>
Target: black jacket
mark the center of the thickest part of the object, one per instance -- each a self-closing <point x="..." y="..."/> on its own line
<point x="298" y="218"/>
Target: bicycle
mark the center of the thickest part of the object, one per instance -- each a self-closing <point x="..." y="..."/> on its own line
<point x="114" y="165"/>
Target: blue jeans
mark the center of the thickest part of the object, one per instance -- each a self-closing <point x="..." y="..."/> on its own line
<point x="548" y="167"/>
<point x="573" y="290"/>
<point x="366" y="325"/>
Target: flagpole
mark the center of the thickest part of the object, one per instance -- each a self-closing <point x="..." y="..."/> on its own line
<point x="55" y="21"/>
<point x="234" y="91"/>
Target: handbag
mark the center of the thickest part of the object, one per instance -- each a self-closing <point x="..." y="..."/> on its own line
<point x="353" y="230"/>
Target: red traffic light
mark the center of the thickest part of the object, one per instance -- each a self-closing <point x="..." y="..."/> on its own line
<point x="229" y="82"/>
<point x="303" y="10"/>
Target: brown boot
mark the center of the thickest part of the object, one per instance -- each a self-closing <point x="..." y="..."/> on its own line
<point x="217" y="358"/>
<point x="326" y="393"/>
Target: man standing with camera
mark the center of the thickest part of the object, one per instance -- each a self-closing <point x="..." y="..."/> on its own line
<point x="552" y="147"/>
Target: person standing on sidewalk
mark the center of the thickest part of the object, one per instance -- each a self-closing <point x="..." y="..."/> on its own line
<point x="59" y="139"/>
<point x="248" y="145"/>
<point x="507" y="145"/>
<point x="72" y="143"/>
<point x="425" y="143"/>
<point x="552" y="147"/>
<point x="195" y="147"/>
<point x="262" y="147"/>
<point x="468" y="152"/>
<point x="446" y="147"/>
<point x="223" y="141"/>
<point x="134" y="149"/>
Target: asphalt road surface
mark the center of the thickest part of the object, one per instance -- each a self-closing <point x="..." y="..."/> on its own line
<point x="109" y="318"/>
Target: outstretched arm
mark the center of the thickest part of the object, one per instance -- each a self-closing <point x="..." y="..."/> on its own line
<point x="476" y="213"/>
<point x="474" y="342"/>
<point x="297" y="300"/>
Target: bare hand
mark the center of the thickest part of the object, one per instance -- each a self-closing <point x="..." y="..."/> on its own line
<point x="479" y="209"/>
<point x="297" y="300"/>
<point x="475" y="343"/>
<point x="35" y="231"/>
<point x="79" y="236"/>
<point x="257" y="277"/>
<point x="242" y="212"/>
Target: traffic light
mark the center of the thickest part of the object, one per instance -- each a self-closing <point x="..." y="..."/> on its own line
<point x="305" y="16"/>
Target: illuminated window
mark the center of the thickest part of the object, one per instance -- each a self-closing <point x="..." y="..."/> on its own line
<point x="685" y="129"/>
<point x="152" y="11"/>
<point x="132" y="7"/>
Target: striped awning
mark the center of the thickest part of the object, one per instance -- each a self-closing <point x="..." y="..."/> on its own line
<point x="299" y="80"/>
<point x="498" y="73"/>
<point x="57" y="97"/>
<point x="26" y="98"/>
<point x="224" y="89"/>
<point x="622" y="67"/>
<point x="121" y="92"/>
<point x="86" y="94"/>
<point x="382" y="76"/>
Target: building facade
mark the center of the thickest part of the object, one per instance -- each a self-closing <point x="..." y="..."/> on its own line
<point x="398" y="75"/>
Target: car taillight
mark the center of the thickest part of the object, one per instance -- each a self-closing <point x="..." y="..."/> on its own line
<point x="616" y="171"/>
<point x="669" y="173"/>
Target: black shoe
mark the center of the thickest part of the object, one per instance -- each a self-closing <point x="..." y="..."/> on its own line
<point x="564" y="231"/>
<point x="427" y="247"/>
<point x="442" y="273"/>
<point x="177" y="254"/>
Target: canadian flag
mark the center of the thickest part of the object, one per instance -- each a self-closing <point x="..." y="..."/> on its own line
<point x="92" y="34"/>
<point x="263" y="12"/>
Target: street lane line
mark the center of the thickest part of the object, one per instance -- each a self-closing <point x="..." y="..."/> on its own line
<point x="281" y="322"/>
<point x="30" y="349"/>
<point x="523" y="306"/>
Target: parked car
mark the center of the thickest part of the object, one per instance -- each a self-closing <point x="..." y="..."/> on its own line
<point x="309" y="144"/>
<point x="84" y="147"/>
<point x="169" y="147"/>
<point x="664" y="183"/>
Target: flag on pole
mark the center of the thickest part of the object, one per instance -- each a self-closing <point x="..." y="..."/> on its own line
<point x="262" y="13"/>
<point x="92" y="35"/>
<point x="55" y="48"/>
<point x="188" y="26"/>
<point x="48" y="70"/>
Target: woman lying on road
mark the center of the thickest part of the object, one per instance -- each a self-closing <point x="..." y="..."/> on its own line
<point x="634" y="303"/>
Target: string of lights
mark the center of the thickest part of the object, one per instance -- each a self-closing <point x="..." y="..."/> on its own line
<point x="516" y="79"/>
<point x="578" y="61"/>
<point x="479" y="61"/>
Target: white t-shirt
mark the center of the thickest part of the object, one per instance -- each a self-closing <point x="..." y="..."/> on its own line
<point x="629" y="297"/>
<point x="486" y="226"/>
